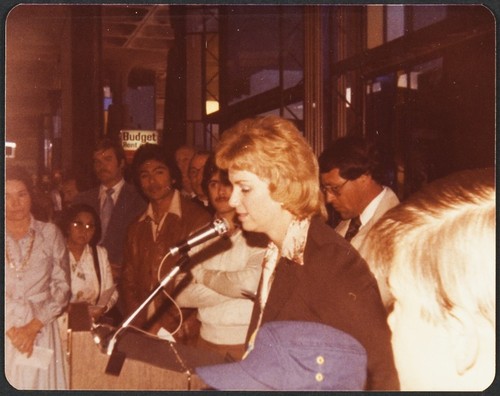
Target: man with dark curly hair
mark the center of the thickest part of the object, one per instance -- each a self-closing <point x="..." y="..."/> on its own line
<point x="168" y="219"/>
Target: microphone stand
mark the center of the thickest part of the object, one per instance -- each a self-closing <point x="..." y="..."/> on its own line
<point x="181" y="262"/>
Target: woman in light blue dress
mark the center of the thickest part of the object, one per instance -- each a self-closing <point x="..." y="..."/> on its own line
<point x="37" y="290"/>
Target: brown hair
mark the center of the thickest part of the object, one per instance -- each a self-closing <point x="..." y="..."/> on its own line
<point x="107" y="143"/>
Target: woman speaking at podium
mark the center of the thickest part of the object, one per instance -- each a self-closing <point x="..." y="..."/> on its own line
<point x="309" y="273"/>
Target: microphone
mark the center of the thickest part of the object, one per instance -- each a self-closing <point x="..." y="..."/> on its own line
<point x="211" y="230"/>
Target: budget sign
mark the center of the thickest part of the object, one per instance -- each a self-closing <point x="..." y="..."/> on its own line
<point x="132" y="139"/>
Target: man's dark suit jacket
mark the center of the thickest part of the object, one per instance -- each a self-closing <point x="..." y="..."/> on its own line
<point x="334" y="287"/>
<point x="128" y="207"/>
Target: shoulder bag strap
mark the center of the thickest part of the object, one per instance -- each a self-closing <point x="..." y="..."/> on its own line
<point x="97" y="269"/>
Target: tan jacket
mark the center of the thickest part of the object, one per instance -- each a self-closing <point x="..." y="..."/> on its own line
<point x="388" y="201"/>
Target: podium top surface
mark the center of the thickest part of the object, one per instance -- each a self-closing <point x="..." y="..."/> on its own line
<point x="165" y="354"/>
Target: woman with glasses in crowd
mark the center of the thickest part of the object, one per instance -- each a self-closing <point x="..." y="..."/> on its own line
<point x="91" y="278"/>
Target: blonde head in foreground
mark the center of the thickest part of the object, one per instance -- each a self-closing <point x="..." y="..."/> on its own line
<point x="436" y="251"/>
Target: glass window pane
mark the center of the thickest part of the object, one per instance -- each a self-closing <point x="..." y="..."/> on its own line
<point x="292" y="37"/>
<point x="395" y="21"/>
<point x="375" y="26"/>
<point x="252" y="48"/>
<point x="427" y="15"/>
<point x="265" y="49"/>
<point x="294" y="111"/>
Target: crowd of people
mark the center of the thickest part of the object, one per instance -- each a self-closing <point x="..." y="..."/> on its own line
<point x="402" y="293"/>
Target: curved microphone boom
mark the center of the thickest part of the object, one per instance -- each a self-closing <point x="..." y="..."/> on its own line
<point x="216" y="228"/>
<point x="107" y="339"/>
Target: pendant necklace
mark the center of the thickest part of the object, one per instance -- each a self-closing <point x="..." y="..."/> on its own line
<point x="75" y="268"/>
<point x="21" y="266"/>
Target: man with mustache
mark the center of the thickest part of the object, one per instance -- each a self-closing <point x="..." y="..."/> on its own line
<point x="226" y="274"/>
<point x="117" y="201"/>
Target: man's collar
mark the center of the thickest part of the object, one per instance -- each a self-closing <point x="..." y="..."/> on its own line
<point x="174" y="208"/>
<point x="369" y="211"/>
<point x="117" y="188"/>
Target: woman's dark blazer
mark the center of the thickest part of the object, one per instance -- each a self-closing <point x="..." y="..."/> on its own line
<point x="334" y="287"/>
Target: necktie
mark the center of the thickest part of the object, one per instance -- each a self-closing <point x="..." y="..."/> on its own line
<point x="354" y="225"/>
<point x="107" y="209"/>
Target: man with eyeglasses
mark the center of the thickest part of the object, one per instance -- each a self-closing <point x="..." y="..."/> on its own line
<point x="353" y="175"/>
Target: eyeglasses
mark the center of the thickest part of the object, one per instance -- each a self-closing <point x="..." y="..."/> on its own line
<point x="80" y="225"/>
<point x="334" y="190"/>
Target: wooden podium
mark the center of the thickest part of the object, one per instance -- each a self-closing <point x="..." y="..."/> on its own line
<point x="149" y="364"/>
